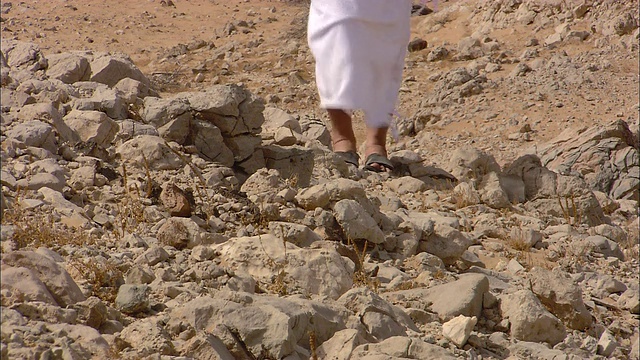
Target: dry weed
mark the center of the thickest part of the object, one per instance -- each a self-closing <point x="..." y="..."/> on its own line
<point x="571" y="214"/>
<point x="130" y="209"/>
<point x="313" y="345"/>
<point x="360" y="276"/>
<point x="103" y="277"/>
<point x="32" y="229"/>
<point x="279" y="283"/>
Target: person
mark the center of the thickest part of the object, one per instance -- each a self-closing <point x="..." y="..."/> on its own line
<point x="359" y="47"/>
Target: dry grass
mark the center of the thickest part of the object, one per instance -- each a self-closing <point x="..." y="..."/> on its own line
<point x="33" y="229"/>
<point x="360" y="276"/>
<point x="279" y="284"/>
<point x="102" y="277"/>
<point x="312" y="345"/>
<point x="631" y="245"/>
<point x="571" y="214"/>
<point x="130" y="208"/>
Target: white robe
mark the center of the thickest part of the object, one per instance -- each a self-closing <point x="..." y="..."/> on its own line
<point x="359" y="47"/>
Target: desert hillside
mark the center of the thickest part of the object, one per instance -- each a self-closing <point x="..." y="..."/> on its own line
<point x="169" y="190"/>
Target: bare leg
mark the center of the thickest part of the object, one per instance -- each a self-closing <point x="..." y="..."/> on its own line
<point x="342" y="136"/>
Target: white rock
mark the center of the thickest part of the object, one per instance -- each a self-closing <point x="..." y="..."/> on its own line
<point x="158" y="155"/>
<point x="61" y="286"/>
<point x="305" y="268"/>
<point x="458" y="329"/>
<point x="530" y="321"/>
<point x="341" y="345"/>
<point x="461" y="297"/>
<point x="92" y="126"/>
<point x="356" y="223"/>
<point x="34" y="133"/>
<point x="407" y="185"/>
<point x="607" y="344"/>
<point x="561" y="295"/>
<point x="275" y="119"/>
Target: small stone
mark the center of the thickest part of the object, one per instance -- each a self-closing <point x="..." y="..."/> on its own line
<point x="202" y="253"/>
<point x="417" y="45"/>
<point x="175" y="200"/>
<point x="132" y="299"/>
<point x="607" y="344"/>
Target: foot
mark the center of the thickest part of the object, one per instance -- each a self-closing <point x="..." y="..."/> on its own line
<point x="378" y="163"/>
<point x="376" y="145"/>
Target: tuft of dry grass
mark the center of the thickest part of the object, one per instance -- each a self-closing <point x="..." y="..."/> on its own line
<point x="102" y="277"/>
<point x="360" y="276"/>
<point x="33" y="229"/>
<point x="279" y="283"/>
<point x="570" y="212"/>
<point x="130" y="209"/>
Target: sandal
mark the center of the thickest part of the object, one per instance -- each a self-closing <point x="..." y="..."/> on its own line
<point x="380" y="160"/>
<point x="350" y="157"/>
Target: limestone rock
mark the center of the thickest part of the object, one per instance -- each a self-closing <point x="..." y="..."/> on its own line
<point x="305" y="268"/>
<point x="607" y="344"/>
<point x="268" y="325"/>
<point x="47" y="112"/>
<point x="34" y="133"/>
<point x="606" y="154"/>
<point x="23" y="55"/>
<point x="396" y="348"/>
<point x="555" y="194"/>
<point x="605" y="246"/>
<point x="407" y="185"/>
<point x="206" y="346"/>
<point x="461" y="297"/>
<point x="92" y="126"/>
<point x="110" y="68"/>
<point x="332" y="191"/>
<point x="469" y="163"/>
<point x="147" y="337"/>
<point x="356" y="223"/>
<point x="492" y="193"/>
<point x="530" y="321"/>
<point x="341" y="345"/>
<point x="275" y="118"/>
<point x="160" y="111"/>
<point x="459" y="329"/>
<point x="562" y="296"/>
<point x="152" y="148"/>
<point x="132" y="298"/>
<point x="381" y="319"/>
<point x="22" y="284"/>
<point x="446" y="243"/>
<point x="293" y="162"/>
<point x="210" y="143"/>
<point x="57" y="280"/>
<point x="297" y="234"/>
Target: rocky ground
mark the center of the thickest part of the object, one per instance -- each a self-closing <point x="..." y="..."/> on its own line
<point x="168" y="190"/>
